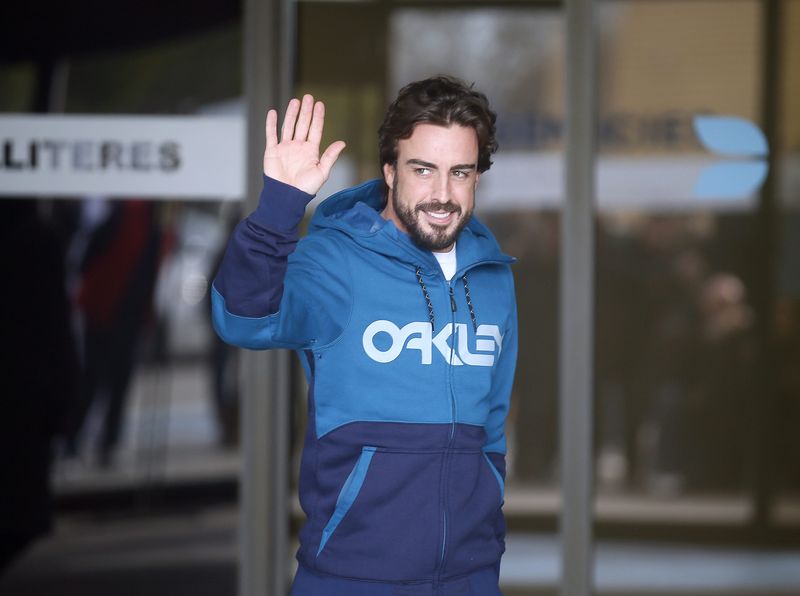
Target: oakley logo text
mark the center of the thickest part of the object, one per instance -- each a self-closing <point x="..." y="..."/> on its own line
<point x="419" y="336"/>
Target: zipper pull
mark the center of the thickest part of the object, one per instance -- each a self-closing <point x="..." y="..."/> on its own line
<point x="452" y="300"/>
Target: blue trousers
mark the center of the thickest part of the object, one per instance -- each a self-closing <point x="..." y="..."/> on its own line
<point x="480" y="583"/>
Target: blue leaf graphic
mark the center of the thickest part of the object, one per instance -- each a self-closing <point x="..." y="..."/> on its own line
<point x="731" y="135"/>
<point x="730" y="179"/>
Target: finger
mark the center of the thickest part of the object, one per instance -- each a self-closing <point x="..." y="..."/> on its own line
<point x="303" y="122"/>
<point x="317" y="124"/>
<point x="289" y="120"/>
<point x="272" y="129"/>
<point x="330" y="156"/>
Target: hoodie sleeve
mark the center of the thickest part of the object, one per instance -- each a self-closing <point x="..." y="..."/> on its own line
<point x="495" y="447"/>
<point x="267" y="294"/>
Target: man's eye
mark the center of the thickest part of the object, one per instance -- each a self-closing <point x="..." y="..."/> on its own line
<point x="460" y="173"/>
<point x="423" y="171"/>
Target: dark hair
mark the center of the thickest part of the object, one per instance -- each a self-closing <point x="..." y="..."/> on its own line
<point x="441" y="100"/>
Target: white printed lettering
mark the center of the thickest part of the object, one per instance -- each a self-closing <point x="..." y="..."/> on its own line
<point x="418" y="335"/>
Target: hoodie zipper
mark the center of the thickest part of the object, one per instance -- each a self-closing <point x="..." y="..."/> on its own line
<point x="446" y="465"/>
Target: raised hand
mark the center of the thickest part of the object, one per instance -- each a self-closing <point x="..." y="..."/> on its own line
<point x="295" y="160"/>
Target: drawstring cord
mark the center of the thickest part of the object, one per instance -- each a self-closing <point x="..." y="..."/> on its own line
<point x="469" y="304"/>
<point x="428" y="302"/>
<point x="427" y="297"/>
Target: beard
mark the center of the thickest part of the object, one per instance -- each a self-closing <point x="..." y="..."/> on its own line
<point x="438" y="237"/>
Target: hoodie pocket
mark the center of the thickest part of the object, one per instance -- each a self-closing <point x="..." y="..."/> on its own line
<point x="500" y="482"/>
<point x="348" y="494"/>
<point x="474" y="499"/>
<point x="387" y="523"/>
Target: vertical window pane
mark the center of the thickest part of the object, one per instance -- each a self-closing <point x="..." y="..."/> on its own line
<point x="676" y="344"/>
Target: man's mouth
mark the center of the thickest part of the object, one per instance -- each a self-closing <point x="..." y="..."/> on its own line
<point x="439" y="213"/>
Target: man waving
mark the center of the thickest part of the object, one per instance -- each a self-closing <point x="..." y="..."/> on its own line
<point x="401" y="307"/>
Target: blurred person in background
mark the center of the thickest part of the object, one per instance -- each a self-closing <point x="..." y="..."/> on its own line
<point x="726" y="382"/>
<point x="119" y="262"/>
<point x="667" y="273"/>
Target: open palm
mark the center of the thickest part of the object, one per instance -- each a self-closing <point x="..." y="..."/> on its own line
<point x="295" y="159"/>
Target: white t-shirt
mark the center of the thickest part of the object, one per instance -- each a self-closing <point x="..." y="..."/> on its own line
<point x="447" y="261"/>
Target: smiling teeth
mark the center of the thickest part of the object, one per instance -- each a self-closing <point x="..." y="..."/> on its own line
<point x="444" y="215"/>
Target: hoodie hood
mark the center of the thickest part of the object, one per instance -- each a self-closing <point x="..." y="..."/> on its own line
<point x="356" y="212"/>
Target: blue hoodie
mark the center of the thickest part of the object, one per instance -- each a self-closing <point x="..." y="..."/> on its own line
<point x="409" y="380"/>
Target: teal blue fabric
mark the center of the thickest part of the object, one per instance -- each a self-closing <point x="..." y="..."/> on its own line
<point x="332" y="294"/>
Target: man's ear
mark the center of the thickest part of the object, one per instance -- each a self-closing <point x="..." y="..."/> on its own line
<point x="477" y="178"/>
<point x="388" y="174"/>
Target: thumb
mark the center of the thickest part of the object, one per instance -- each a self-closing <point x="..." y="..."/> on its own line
<point x="330" y="156"/>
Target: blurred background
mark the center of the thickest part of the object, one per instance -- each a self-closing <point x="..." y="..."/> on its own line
<point x="120" y="424"/>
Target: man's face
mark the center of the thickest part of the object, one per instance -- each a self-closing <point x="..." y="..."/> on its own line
<point x="432" y="186"/>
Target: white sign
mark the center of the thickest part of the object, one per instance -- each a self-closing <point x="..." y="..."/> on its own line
<point x="193" y="157"/>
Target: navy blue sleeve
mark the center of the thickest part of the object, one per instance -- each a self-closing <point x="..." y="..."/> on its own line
<point x="272" y="291"/>
<point x="251" y="275"/>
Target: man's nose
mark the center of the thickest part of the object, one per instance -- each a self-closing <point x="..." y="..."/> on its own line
<point x="443" y="189"/>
